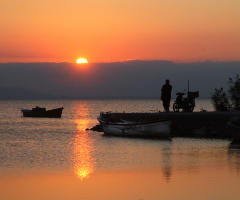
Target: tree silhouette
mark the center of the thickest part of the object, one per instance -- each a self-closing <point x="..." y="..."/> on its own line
<point x="223" y="102"/>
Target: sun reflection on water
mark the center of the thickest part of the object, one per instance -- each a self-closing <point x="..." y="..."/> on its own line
<point x="83" y="149"/>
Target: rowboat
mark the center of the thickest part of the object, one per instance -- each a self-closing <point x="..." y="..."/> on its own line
<point x="145" y="128"/>
<point x="42" y="112"/>
<point x="235" y="131"/>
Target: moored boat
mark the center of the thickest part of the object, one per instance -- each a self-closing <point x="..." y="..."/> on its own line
<point x="131" y="127"/>
<point x="42" y="112"/>
<point x="235" y="131"/>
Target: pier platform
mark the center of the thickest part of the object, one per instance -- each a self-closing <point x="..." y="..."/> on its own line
<point x="189" y="124"/>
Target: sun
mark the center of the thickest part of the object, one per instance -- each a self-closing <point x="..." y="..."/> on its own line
<point x="81" y="61"/>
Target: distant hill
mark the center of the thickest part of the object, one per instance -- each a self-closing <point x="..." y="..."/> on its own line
<point x="14" y="93"/>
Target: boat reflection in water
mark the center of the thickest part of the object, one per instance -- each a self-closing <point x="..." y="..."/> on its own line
<point x="234" y="156"/>
<point x="83" y="149"/>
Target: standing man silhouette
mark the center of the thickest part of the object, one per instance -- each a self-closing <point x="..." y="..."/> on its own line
<point x="166" y="95"/>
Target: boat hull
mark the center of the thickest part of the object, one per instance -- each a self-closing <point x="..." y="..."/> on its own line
<point x="54" y="113"/>
<point x="235" y="131"/>
<point x="160" y="128"/>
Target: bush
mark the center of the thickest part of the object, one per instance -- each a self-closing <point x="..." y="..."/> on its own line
<point x="222" y="102"/>
<point x="234" y="91"/>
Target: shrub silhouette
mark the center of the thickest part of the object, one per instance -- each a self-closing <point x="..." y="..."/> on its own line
<point x="223" y="102"/>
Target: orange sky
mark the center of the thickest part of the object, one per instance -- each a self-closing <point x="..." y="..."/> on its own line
<point x="111" y="30"/>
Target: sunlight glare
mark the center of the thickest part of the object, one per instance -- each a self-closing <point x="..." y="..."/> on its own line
<point x="82" y="60"/>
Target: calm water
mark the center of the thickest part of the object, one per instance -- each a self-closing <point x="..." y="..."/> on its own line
<point x="58" y="159"/>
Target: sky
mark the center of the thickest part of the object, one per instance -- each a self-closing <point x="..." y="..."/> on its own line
<point x="132" y="79"/>
<point x="106" y="31"/>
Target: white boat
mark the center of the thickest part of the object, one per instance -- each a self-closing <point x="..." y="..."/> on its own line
<point x="153" y="128"/>
<point x="235" y="131"/>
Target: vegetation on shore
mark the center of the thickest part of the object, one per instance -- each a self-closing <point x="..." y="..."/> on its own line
<point x="229" y="101"/>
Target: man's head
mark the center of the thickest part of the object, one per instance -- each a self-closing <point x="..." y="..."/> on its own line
<point x="167" y="81"/>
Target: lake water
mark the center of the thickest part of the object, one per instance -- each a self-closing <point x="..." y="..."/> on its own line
<point x="57" y="159"/>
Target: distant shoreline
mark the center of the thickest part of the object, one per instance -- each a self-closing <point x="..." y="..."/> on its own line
<point x="90" y="98"/>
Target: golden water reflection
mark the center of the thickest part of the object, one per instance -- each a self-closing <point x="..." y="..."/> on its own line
<point x="83" y="150"/>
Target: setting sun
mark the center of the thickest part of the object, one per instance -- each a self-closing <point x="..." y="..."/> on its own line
<point x="82" y="60"/>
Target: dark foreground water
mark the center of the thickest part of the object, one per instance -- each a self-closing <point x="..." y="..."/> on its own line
<point x="56" y="159"/>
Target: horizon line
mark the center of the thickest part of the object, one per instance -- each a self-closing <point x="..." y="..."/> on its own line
<point x="125" y="61"/>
